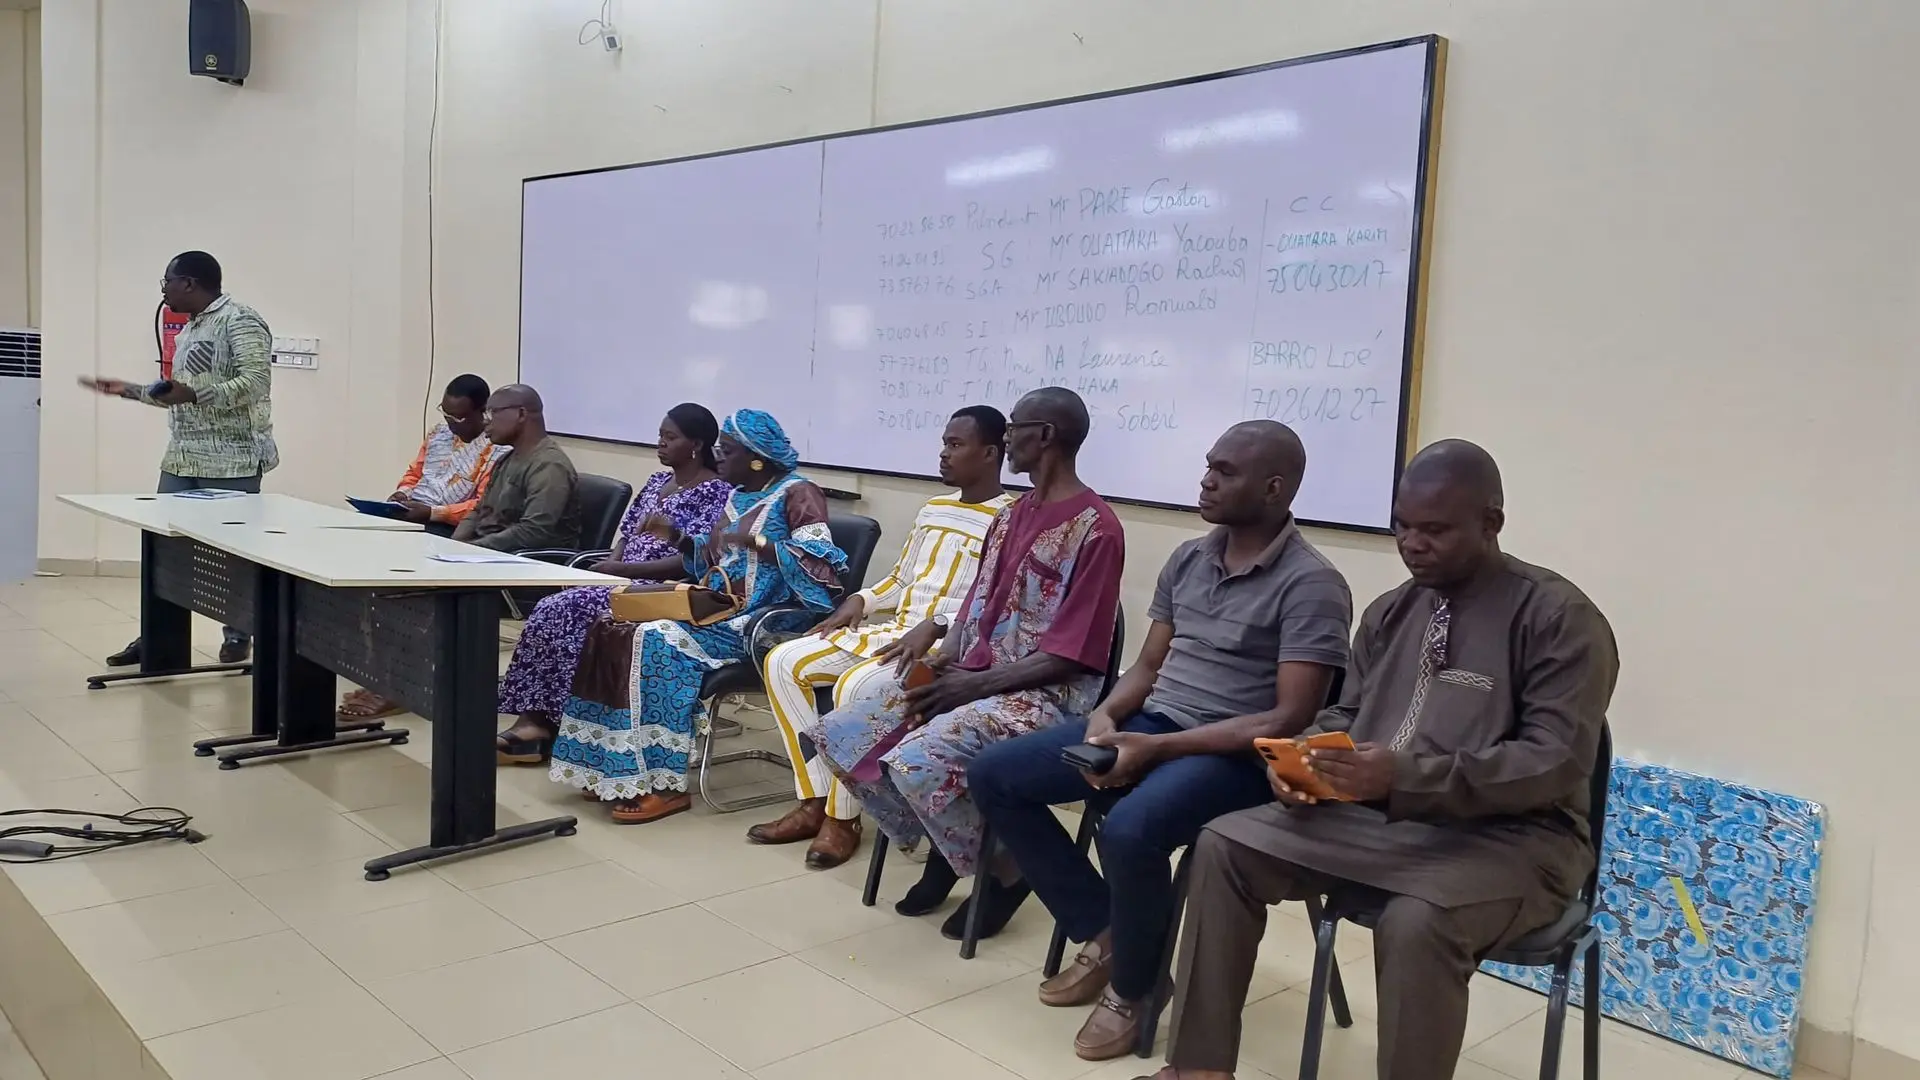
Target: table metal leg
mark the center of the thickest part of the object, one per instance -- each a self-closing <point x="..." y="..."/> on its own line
<point x="467" y="662"/>
<point x="166" y="635"/>
<point x="293" y="697"/>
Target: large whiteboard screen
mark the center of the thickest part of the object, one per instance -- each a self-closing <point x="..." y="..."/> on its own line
<point x="686" y="281"/>
<point x="1184" y="257"/>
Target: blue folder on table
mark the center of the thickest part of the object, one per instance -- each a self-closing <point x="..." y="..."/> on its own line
<point x="377" y="507"/>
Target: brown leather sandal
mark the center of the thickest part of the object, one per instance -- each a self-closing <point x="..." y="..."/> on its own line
<point x="650" y="808"/>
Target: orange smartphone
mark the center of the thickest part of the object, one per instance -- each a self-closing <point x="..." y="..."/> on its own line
<point x="1288" y="760"/>
<point x="920" y="674"/>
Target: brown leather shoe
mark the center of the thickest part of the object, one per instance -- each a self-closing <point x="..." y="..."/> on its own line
<point x="1082" y="981"/>
<point x="837" y="842"/>
<point x="650" y="808"/>
<point x="1109" y="1030"/>
<point x="800" y="823"/>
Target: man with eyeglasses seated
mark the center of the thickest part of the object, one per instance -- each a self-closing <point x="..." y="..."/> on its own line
<point x="1027" y="651"/>
<point x="456" y="459"/>
<point x="531" y="500"/>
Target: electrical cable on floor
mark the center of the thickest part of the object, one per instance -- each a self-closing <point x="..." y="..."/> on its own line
<point x="143" y="826"/>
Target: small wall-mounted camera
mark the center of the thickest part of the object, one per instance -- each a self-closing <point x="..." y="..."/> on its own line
<point x="610" y="39"/>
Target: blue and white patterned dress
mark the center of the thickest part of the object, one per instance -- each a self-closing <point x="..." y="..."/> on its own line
<point x="624" y="741"/>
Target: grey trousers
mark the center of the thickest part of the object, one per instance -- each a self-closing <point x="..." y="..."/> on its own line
<point x="1423" y="957"/>
<point x="169" y="484"/>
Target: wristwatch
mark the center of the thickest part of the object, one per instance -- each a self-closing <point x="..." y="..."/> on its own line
<point x="941" y="624"/>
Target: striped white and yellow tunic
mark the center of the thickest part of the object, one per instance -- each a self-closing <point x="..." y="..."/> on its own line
<point x="933" y="575"/>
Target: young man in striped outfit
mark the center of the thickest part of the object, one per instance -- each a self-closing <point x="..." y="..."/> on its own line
<point x="860" y="641"/>
<point x="450" y="473"/>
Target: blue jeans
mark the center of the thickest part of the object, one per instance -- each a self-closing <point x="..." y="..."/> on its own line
<point x="170" y="484"/>
<point x="1015" y="782"/>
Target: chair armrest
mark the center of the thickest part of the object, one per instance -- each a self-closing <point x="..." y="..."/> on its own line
<point x="775" y="625"/>
<point x="556" y="556"/>
<point x="585" y="560"/>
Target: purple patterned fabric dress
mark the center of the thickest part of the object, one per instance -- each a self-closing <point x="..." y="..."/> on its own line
<point x="541" y="672"/>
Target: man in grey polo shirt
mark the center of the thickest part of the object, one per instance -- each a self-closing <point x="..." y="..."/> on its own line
<point x="1249" y="624"/>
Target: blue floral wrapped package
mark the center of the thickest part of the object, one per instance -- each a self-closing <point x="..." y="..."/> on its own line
<point x="1706" y="900"/>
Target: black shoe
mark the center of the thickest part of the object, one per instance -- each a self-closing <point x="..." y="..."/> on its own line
<point x="127" y="657"/>
<point x="235" y="650"/>
<point x="936" y="883"/>
<point x="1002" y="902"/>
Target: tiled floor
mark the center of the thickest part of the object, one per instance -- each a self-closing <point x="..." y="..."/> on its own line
<point x="15" y="1062"/>
<point x="671" y="950"/>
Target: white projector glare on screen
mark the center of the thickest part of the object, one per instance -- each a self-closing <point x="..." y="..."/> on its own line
<point x="1185" y="256"/>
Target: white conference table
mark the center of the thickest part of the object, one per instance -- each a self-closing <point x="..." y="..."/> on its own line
<point x="380" y="609"/>
<point x="328" y="594"/>
<point x="166" y="635"/>
<point x="169" y="515"/>
<point x="373" y="559"/>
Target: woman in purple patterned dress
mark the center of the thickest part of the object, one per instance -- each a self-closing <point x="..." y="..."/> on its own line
<point x="690" y="494"/>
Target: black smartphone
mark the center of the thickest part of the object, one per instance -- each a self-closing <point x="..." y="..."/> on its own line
<point x="1090" y="758"/>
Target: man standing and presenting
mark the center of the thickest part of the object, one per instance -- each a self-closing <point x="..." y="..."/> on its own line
<point x="1476" y="695"/>
<point x="1250" y="623"/>
<point x="219" y="401"/>
<point x="922" y="594"/>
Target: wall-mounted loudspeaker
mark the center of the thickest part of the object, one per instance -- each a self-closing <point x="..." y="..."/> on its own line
<point x="219" y="40"/>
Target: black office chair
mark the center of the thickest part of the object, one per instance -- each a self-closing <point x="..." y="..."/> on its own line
<point x="970" y="937"/>
<point x="1553" y="946"/>
<point x="1092" y="816"/>
<point x="853" y="534"/>
<point x="603" y="502"/>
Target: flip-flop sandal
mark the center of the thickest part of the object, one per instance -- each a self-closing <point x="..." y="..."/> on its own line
<point x="512" y="750"/>
<point x="347" y="712"/>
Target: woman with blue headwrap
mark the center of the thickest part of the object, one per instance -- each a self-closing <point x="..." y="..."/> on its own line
<point x="629" y="725"/>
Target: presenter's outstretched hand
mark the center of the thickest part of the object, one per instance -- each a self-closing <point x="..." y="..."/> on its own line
<point x="101" y="385"/>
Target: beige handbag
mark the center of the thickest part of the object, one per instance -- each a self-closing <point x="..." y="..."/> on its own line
<point x="680" y="602"/>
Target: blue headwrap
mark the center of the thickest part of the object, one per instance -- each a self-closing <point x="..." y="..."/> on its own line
<point x="762" y="435"/>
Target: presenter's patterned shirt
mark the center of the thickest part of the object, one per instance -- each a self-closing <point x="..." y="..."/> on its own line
<point x="224" y="355"/>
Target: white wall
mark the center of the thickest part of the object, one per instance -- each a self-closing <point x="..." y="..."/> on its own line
<point x="1673" y="285"/>
<point x="19" y="164"/>
<point x="303" y="183"/>
<point x="31" y="30"/>
<point x="1669" y="289"/>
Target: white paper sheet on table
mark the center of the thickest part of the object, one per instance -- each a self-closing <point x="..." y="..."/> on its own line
<point x="482" y="557"/>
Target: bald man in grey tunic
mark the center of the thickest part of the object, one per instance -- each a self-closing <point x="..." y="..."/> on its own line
<point x="1476" y="693"/>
